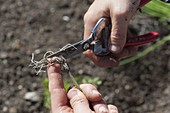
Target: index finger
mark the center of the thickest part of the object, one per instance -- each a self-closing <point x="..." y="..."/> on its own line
<point x="59" y="101"/>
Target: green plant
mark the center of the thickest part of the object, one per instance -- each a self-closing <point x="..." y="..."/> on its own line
<point x="46" y="101"/>
<point x="84" y="79"/>
<point x="146" y="51"/>
<point x="160" y="10"/>
<point x="156" y="9"/>
<point x="67" y="83"/>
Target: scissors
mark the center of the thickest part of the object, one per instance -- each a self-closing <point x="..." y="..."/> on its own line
<point x="98" y="41"/>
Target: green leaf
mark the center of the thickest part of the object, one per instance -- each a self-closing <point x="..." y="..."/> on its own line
<point x="158" y="9"/>
<point x="146" y="51"/>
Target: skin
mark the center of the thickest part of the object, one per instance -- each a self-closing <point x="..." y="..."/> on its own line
<point x="75" y="101"/>
<point x="120" y="12"/>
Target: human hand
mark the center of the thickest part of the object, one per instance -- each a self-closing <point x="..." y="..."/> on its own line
<point x="75" y="101"/>
<point x="120" y="12"/>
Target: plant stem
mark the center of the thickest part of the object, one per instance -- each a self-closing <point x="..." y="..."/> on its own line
<point x="73" y="80"/>
<point x="146" y="51"/>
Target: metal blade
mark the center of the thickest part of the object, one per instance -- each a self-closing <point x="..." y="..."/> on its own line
<point x="69" y="50"/>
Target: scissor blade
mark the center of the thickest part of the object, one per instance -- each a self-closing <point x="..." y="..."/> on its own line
<point x="69" y="50"/>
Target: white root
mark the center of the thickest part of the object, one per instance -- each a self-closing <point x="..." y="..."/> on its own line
<point x="41" y="65"/>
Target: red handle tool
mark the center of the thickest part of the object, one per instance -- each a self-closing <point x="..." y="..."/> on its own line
<point x="143" y="39"/>
<point x="102" y="30"/>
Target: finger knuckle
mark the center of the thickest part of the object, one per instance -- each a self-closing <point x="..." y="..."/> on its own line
<point x="118" y="36"/>
<point x="64" y="109"/>
<point x="77" y="100"/>
<point x="121" y="12"/>
<point x="118" y="40"/>
<point x="88" y="16"/>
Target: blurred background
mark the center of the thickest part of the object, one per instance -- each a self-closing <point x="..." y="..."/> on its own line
<point x="140" y="85"/>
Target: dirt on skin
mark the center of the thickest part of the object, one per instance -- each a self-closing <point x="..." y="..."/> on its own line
<point x="36" y="26"/>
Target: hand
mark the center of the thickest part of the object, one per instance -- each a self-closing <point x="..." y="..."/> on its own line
<point x="75" y="101"/>
<point x="120" y="12"/>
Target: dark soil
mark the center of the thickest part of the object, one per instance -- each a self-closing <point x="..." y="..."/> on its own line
<point x="36" y="26"/>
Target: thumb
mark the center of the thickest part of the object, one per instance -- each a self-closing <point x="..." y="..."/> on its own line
<point x="118" y="34"/>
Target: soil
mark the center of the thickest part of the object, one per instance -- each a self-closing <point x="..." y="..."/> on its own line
<point x="36" y="26"/>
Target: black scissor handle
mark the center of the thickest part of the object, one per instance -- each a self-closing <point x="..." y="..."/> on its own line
<point x="167" y="1"/>
<point x="101" y="33"/>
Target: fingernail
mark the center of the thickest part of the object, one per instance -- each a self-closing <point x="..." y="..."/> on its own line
<point x="114" y="48"/>
<point x="73" y="93"/>
<point x="103" y="110"/>
<point x="95" y="92"/>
